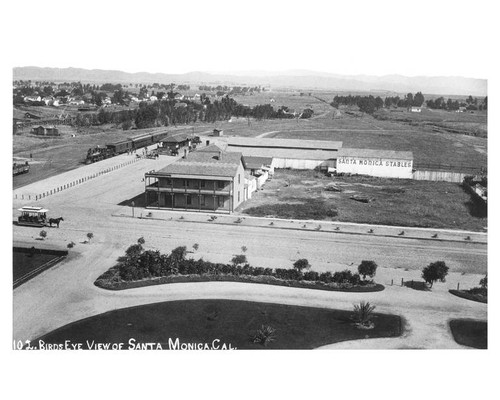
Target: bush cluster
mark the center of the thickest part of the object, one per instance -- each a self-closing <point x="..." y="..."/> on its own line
<point x="138" y="264"/>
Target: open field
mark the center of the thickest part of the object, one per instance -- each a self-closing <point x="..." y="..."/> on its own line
<point x="232" y="322"/>
<point x="302" y="194"/>
<point x="399" y="131"/>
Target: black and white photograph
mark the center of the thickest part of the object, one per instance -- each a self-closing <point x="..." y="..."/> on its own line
<point x="257" y="176"/>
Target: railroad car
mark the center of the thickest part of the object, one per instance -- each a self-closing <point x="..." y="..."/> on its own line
<point x="18" y="169"/>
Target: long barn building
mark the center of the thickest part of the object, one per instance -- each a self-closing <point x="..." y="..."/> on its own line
<point x="326" y="155"/>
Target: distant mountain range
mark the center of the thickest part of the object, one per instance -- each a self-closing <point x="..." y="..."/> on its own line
<point x="299" y="79"/>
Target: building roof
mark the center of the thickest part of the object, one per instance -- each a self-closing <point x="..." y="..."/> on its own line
<point x="253" y="162"/>
<point x="373" y="153"/>
<point x="284" y="143"/>
<point x="296" y="154"/>
<point x="202" y="163"/>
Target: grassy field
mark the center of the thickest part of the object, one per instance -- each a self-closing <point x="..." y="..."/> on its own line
<point x="428" y="134"/>
<point x="232" y="322"/>
<point x="302" y="195"/>
<point x="470" y="333"/>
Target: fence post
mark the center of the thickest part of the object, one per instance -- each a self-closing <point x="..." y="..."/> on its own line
<point x="458" y="286"/>
<point x="392" y="282"/>
<point x="402" y="281"/>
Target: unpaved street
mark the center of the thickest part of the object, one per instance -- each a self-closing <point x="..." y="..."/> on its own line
<point x="66" y="292"/>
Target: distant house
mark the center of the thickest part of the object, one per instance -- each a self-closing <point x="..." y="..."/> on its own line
<point x="31" y="116"/>
<point x="76" y="102"/>
<point x="415" y="109"/>
<point x="45" y="131"/>
<point x="461" y="109"/>
<point x="153" y="98"/>
<point x="196" y="97"/>
<point x="48" y="100"/>
<point x="32" y="98"/>
<point x="218" y="132"/>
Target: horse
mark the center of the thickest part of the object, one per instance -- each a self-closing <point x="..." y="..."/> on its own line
<point x="55" y="221"/>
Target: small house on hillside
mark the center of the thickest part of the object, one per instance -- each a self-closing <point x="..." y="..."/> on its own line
<point x="45" y="131"/>
<point x="415" y="109"/>
<point x="218" y="132"/>
<point x="31" y="116"/>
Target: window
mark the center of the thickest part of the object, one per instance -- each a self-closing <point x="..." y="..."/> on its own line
<point x="202" y="184"/>
<point x="238" y="196"/>
<point x="239" y="179"/>
<point x="188" y="200"/>
<point x="168" y="182"/>
<point x="221" y="184"/>
<point x="185" y="183"/>
<point x="202" y="200"/>
<point x="221" y="201"/>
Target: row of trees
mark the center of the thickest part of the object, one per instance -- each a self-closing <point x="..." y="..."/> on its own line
<point x="470" y="103"/>
<point x="367" y="104"/>
<point x="172" y="112"/>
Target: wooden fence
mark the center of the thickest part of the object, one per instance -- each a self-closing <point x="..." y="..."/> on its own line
<point x="446" y="176"/>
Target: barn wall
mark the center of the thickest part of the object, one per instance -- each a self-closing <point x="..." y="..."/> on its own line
<point x="380" y="167"/>
<point x="294" y="163"/>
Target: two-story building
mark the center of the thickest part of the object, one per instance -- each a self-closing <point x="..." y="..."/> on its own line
<point x="208" y="179"/>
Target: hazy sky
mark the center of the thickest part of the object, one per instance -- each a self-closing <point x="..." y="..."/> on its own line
<point x="348" y="37"/>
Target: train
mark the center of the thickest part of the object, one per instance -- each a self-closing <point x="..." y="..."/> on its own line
<point x="18" y="169"/>
<point x="133" y="143"/>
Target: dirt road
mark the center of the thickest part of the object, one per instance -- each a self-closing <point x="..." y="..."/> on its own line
<point x="66" y="293"/>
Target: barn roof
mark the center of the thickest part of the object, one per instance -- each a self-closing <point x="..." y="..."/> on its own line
<point x="374" y="153"/>
<point x="291" y="153"/>
<point x="284" y="143"/>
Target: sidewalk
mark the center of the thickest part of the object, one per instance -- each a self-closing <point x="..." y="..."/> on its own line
<point x="345" y="228"/>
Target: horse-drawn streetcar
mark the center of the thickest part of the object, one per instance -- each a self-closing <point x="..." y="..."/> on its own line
<point x="36" y="216"/>
<point x="32" y="216"/>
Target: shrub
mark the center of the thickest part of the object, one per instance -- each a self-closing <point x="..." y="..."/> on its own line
<point x="244" y="249"/>
<point x="141" y="240"/>
<point x="178" y="254"/>
<point x="344" y="276"/>
<point x="90" y="235"/>
<point x="301" y="264"/>
<point x="326" y="277"/>
<point x="311" y="276"/>
<point x="134" y="250"/>
<point x="484" y="282"/>
<point x="239" y="259"/>
<point x="435" y="271"/>
<point x="264" y="335"/>
<point x="363" y="313"/>
<point x="367" y="268"/>
<point x="196" y="246"/>
<point x="43" y="234"/>
<point x="71" y="245"/>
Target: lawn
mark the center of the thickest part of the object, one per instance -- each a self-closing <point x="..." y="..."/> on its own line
<point x="302" y="195"/>
<point x="232" y="322"/>
<point x="470" y="333"/>
<point x="25" y="263"/>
